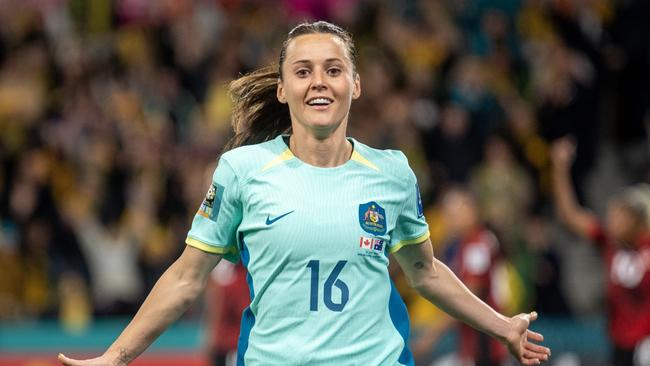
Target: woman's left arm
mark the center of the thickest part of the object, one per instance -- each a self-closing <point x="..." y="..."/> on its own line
<point x="434" y="281"/>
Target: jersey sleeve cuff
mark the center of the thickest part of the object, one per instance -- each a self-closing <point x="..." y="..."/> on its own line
<point x="403" y="243"/>
<point x="210" y="248"/>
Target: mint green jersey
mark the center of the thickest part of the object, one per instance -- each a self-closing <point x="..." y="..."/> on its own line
<point x="315" y="242"/>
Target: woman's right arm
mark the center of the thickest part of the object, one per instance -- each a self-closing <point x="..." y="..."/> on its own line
<point x="174" y="292"/>
<point x="578" y="219"/>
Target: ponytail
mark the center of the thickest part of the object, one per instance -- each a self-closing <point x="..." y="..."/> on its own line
<point x="257" y="115"/>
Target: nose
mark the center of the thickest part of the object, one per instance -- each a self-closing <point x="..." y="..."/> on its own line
<point x="318" y="81"/>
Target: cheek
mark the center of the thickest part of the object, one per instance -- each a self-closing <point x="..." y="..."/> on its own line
<point x="295" y="87"/>
<point x="344" y="87"/>
<point x="456" y="217"/>
<point x="612" y="227"/>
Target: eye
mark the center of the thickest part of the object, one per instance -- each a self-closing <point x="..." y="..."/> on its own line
<point x="301" y="73"/>
<point x="334" y="71"/>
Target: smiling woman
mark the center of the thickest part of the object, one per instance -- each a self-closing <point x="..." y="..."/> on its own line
<point x="308" y="93"/>
<point x="318" y="82"/>
<point x="313" y="215"/>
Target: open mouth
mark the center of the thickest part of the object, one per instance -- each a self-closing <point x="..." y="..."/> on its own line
<point x="319" y="102"/>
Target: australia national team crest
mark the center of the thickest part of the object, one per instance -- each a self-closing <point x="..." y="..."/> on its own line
<point x="372" y="218"/>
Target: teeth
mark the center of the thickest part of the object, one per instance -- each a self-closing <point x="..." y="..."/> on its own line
<point x="319" y="101"/>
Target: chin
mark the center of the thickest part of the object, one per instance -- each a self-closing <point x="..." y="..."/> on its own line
<point x="321" y="123"/>
<point x="323" y="131"/>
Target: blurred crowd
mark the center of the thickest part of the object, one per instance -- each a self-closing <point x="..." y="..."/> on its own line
<point x="112" y="115"/>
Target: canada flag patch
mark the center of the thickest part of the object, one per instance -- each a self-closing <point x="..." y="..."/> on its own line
<point x="372" y="244"/>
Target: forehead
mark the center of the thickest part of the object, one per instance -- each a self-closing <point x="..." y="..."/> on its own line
<point x="616" y="205"/>
<point x="458" y="201"/>
<point x="316" y="47"/>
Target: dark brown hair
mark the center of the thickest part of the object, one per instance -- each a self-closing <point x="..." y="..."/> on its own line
<point x="257" y="115"/>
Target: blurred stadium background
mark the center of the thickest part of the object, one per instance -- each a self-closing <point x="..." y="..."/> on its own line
<point x="112" y="114"/>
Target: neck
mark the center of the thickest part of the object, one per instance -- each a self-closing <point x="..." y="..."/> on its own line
<point x="330" y="151"/>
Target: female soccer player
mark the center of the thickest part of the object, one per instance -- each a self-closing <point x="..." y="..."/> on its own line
<point x="625" y="244"/>
<point x="313" y="215"/>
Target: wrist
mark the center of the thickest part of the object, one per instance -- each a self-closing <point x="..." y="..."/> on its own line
<point x="502" y="329"/>
<point x="118" y="356"/>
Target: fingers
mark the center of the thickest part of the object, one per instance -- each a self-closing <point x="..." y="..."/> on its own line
<point x="535" y="336"/>
<point x="72" y="362"/>
<point x="529" y="361"/>
<point x="542" y="356"/>
<point x="563" y="150"/>
<point x="528" y="317"/>
<point x="67" y="361"/>
<point x="527" y="352"/>
<point x="522" y="322"/>
<point x="567" y="142"/>
<point x="534" y="354"/>
<point x="535" y="357"/>
<point x="532" y="347"/>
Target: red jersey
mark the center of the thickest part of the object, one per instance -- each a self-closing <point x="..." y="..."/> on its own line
<point x="231" y="298"/>
<point x="628" y="288"/>
<point x="475" y="263"/>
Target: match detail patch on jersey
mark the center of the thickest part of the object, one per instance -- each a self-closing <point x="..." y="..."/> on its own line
<point x="374" y="244"/>
<point x="212" y="202"/>
<point x="371" y="247"/>
<point x="372" y="218"/>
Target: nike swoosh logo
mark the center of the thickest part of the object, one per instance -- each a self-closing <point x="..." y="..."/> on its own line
<point x="270" y="220"/>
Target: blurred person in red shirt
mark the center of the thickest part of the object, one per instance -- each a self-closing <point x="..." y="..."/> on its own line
<point x="475" y="259"/>
<point x="624" y="240"/>
<point x="226" y="297"/>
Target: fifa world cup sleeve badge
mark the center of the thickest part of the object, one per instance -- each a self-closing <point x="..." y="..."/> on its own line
<point x="212" y="202"/>
<point x="372" y="218"/>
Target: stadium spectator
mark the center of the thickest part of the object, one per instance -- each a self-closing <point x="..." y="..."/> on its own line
<point x="227" y="296"/>
<point x="624" y="240"/>
<point x="503" y="191"/>
<point x="475" y="256"/>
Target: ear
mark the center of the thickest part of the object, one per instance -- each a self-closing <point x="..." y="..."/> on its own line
<point x="280" y="93"/>
<point x="356" y="93"/>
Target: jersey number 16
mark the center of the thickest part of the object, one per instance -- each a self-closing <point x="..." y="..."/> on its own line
<point x="332" y="280"/>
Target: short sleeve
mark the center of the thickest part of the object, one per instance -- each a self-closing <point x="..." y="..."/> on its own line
<point x="214" y="228"/>
<point x="411" y="226"/>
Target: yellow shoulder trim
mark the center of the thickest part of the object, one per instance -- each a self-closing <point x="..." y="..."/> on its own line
<point x="286" y="155"/>
<point x="359" y="158"/>
<point x="209" y="248"/>
<point x="403" y="243"/>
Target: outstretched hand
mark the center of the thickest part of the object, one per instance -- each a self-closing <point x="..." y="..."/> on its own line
<point x="98" y="361"/>
<point x="519" y="341"/>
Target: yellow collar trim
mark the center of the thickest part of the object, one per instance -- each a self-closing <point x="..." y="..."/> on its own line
<point x="359" y="158"/>
<point x="286" y="155"/>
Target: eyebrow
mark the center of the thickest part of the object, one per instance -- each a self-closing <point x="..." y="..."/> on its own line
<point x="329" y="60"/>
